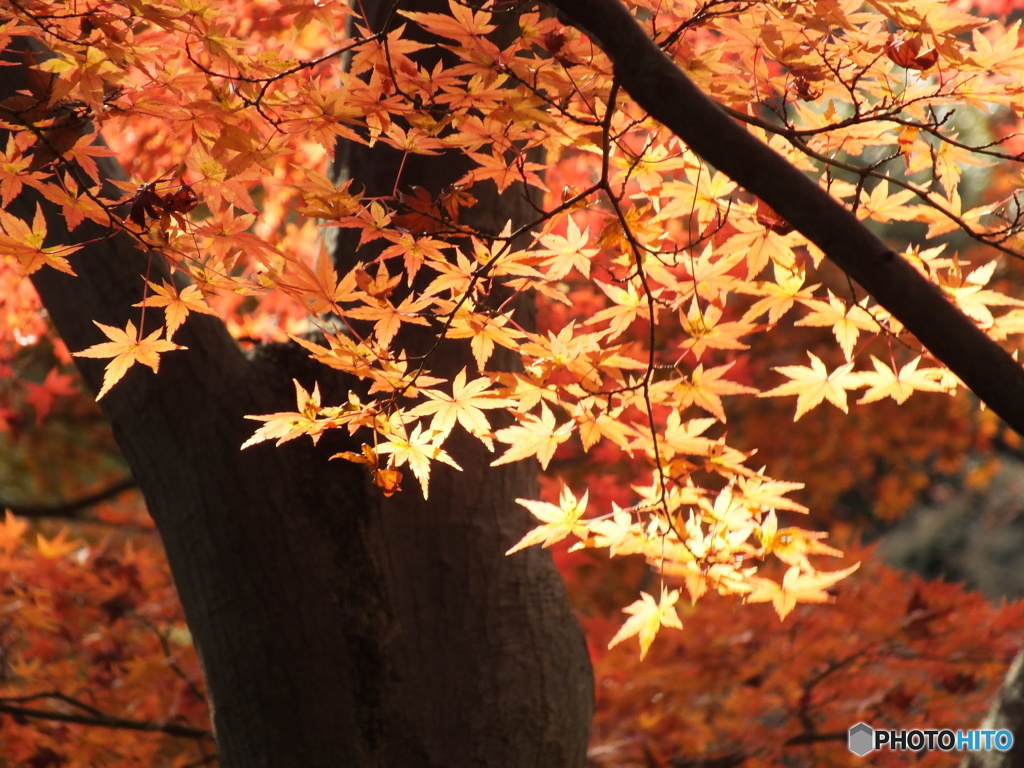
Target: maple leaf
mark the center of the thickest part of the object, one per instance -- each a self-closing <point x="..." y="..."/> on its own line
<point x="127" y="348"/>
<point x="465" y="405"/>
<point x="462" y="25"/>
<point x="968" y="291"/>
<point x="762" y="492"/>
<point x="288" y="425"/>
<point x="792" y="545"/>
<point x="702" y="324"/>
<point x="565" y="253"/>
<point x="177" y="304"/>
<point x="704" y="389"/>
<point x="813" y="384"/>
<point x="389" y="318"/>
<point x="845" y="320"/>
<point x="798" y="587"/>
<point x="14" y="165"/>
<point x="505" y="172"/>
<point x="11" y="531"/>
<point x="887" y="382"/>
<point x="26" y="244"/>
<point x="423" y="215"/>
<point x="778" y="296"/>
<point x="686" y="437"/>
<point x="484" y="332"/>
<point x="603" y="424"/>
<point x="533" y="436"/>
<point x="57" y="547"/>
<point x="42" y="396"/>
<point x="418" y="450"/>
<point x="627" y="306"/>
<point x="647" y="618"/>
<point x="415" y="251"/>
<point x="559" y="520"/>
<point x="388" y="480"/>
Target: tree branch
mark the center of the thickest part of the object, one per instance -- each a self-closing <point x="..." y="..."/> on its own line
<point x="73" y="508"/>
<point x="660" y="87"/>
<point x="97" y="719"/>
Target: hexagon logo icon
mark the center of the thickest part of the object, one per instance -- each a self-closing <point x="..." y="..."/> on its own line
<point x="861" y="739"/>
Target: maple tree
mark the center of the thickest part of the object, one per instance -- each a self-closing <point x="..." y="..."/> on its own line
<point x="350" y="209"/>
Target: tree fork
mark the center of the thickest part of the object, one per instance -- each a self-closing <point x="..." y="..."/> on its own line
<point x="334" y="628"/>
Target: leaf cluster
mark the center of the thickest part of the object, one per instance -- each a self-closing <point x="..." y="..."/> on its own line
<point x="657" y="272"/>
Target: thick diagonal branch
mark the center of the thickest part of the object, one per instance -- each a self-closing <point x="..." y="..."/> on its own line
<point x="660" y="87"/>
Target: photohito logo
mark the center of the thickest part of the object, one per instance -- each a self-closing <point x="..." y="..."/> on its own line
<point x="864" y="739"/>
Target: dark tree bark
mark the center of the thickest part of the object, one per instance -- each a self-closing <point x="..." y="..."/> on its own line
<point x="336" y="627"/>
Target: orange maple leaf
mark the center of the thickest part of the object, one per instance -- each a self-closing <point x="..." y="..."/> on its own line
<point x="484" y="331"/>
<point x="25" y="244"/>
<point x="127" y="348"/>
<point x="11" y="531"/>
<point x="462" y="24"/>
<point x="177" y="304"/>
<point x="388" y="318"/>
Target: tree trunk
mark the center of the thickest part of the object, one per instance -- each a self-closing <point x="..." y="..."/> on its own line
<point x="336" y="627"/>
<point x="1005" y="714"/>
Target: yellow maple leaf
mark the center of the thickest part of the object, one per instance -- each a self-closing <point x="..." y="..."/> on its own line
<point x="647" y="617"/>
<point x="463" y="405"/>
<point x="704" y="389"/>
<point x="792" y="546"/>
<point x="705" y="329"/>
<point x="287" y="425"/>
<point x="813" y="384"/>
<point x="798" y="586"/>
<point x="626" y="306"/>
<point x="540" y="436"/>
<point x="57" y="547"/>
<point x="127" y="348"/>
<point x="564" y="253"/>
<point x="417" y="450"/>
<point x="558" y="521"/>
<point x="887" y="382"/>
<point x="846" y="320"/>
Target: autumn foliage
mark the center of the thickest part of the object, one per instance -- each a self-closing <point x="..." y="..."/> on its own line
<point x="679" y="316"/>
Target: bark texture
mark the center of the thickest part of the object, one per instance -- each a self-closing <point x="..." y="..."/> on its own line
<point x="335" y="627"/>
<point x="1006" y="713"/>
